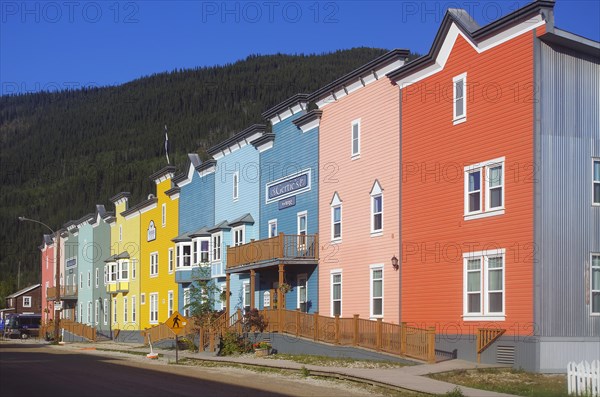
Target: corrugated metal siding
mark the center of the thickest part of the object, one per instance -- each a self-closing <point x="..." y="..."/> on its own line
<point x="567" y="226"/>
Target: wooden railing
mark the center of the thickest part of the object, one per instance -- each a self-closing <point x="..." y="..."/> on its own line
<point x="279" y="247"/>
<point x="485" y="337"/>
<point x="79" y="329"/>
<point x="398" y="339"/>
<point x="68" y="290"/>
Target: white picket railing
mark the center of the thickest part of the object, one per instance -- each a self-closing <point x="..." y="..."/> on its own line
<point x="583" y="379"/>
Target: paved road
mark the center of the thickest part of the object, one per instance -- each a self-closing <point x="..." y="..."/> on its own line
<point x="42" y="370"/>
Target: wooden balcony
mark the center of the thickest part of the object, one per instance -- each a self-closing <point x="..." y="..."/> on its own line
<point x="282" y="248"/>
<point x="66" y="292"/>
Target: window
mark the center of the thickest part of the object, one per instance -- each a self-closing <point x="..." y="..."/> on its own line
<point x="106" y="274"/>
<point x="154" y="264"/>
<point x="460" y="95"/>
<point x="336" y="293"/>
<point x="96" y="310"/>
<point x="142" y="299"/>
<point x="125" y="319"/>
<point x="27" y="301"/>
<point x="186" y="302"/>
<point x="596" y="182"/>
<point x="216" y="240"/>
<point x="236" y="185"/>
<point x="484" y="285"/>
<point x="153" y="308"/>
<point x="185" y="253"/>
<point x="246" y="297"/>
<point x="355" y="138"/>
<point x="80" y="313"/>
<point x="89" y="279"/>
<point x="595" y="284"/>
<point x="302" y="228"/>
<point x="120" y="232"/>
<point x="125" y="270"/>
<point x="114" y="311"/>
<point x="133" y="268"/>
<point x="80" y="280"/>
<point x="113" y="272"/>
<point x="105" y="309"/>
<point x="302" y="303"/>
<point x="133" y="319"/>
<point x="97" y="278"/>
<point x="492" y="187"/>
<point x="272" y="228"/>
<point x="89" y="312"/>
<point x="164" y="215"/>
<point x="376" y="209"/>
<point x="171" y="303"/>
<point x="238" y="236"/>
<point x="204" y="251"/>
<point x="170" y="260"/>
<point x="222" y="301"/>
<point x="376" y="290"/>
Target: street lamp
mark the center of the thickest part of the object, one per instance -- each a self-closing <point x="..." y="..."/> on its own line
<point x="57" y="275"/>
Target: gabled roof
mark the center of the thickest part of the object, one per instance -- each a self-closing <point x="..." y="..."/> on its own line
<point x="192" y="163"/>
<point x="285" y="105"/>
<point x="240" y="136"/>
<point x="169" y="169"/>
<point x="246" y="218"/>
<point x="219" y="226"/>
<point x="206" y="165"/>
<point x="182" y="238"/>
<point x="472" y="31"/>
<point x="24" y="291"/>
<point x="114" y="258"/>
<point x="203" y="231"/>
<point x="120" y="196"/>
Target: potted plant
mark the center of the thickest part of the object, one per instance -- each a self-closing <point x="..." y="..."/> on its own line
<point x="285" y="288"/>
<point x="261" y="349"/>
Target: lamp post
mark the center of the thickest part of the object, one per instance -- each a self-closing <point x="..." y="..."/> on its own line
<point x="57" y="275"/>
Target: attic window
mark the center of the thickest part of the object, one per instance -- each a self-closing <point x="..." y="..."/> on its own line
<point x="460" y="94"/>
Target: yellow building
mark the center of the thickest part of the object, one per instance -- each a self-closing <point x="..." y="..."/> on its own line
<point x="122" y="270"/>
<point x="159" y="225"/>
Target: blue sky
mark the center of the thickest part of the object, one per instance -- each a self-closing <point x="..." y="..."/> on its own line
<point x="49" y="45"/>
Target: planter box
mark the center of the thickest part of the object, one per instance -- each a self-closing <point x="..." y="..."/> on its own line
<point x="261" y="352"/>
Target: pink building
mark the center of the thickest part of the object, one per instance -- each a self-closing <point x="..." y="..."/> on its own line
<point x="48" y="267"/>
<point x="359" y="207"/>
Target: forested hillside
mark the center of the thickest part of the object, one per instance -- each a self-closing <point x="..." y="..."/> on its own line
<point x="64" y="152"/>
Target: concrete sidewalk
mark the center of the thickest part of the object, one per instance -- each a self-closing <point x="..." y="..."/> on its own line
<point x="409" y="378"/>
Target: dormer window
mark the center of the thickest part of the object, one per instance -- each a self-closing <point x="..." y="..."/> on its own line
<point x="460" y="95"/>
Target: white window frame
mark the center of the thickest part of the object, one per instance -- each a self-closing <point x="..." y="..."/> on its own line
<point x="170" y="303"/>
<point x="302" y="242"/>
<point x="133" y="268"/>
<point x="199" y="242"/>
<point x="97" y="279"/>
<point x="246" y="291"/>
<point x="164" y="214"/>
<point x="595" y="182"/>
<point x="154" y="264"/>
<point x="105" y="308"/>
<point x="485" y="208"/>
<point x="186" y="301"/>
<point x="142" y="298"/>
<point x="376" y="192"/>
<point x="115" y="311"/>
<point x="80" y="316"/>
<point x="80" y="280"/>
<point x="217" y="246"/>
<point x="171" y="260"/>
<point x="272" y="222"/>
<point x="181" y="255"/>
<point x="299" y="278"/>
<point x="133" y="312"/>
<point x="335" y="272"/>
<point x="592" y="290"/>
<point x="27" y="301"/>
<point x="336" y="204"/>
<point x="236" y="186"/>
<point x="125" y="303"/>
<point x="153" y="308"/>
<point x="459" y="118"/>
<point x="123" y="272"/>
<point x="373" y="268"/>
<point x="96" y="310"/>
<point x="484" y="314"/>
<point x="89" y="312"/>
<point x="355" y="154"/>
<point x="89" y="279"/>
<point x="238" y="234"/>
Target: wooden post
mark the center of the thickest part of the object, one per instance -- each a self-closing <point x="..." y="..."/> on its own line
<point x="316" y="326"/>
<point x="281" y="246"/>
<point x="227" y="293"/>
<point x="239" y="321"/>
<point x="337" y="329"/>
<point x="355" y="330"/>
<point x="280" y="295"/>
<point x="477" y="344"/>
<point x="201" y="340"/>
<point x="252" y="288"/>
<point x="403" y="338"/>
<point x="297" y="322"/>
<point x="431" y="345"/>
<point x="211" y="342"/>
<point x="378" y="339"/>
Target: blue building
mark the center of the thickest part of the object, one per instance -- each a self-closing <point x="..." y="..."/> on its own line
<point x="283" y="262"/>
<point x="196" y="213"/>
<point x="237" y="212"/>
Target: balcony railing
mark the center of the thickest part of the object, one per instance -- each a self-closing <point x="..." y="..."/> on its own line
<point x="68" y="291"/>
<point x="283" y="246"/>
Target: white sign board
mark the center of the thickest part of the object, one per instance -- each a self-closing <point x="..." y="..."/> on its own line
<point x="267" y="299"/>
<point x="58" y="305"/>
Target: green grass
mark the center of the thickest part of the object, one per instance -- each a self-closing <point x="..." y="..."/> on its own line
<point x="509" y="381"/>
<point x="326" y="361"/>
<point x="135" y="353"/>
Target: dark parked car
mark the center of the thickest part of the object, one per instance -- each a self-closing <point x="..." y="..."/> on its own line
<point x="23" y="326"/>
